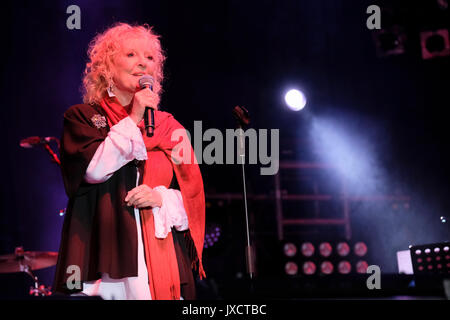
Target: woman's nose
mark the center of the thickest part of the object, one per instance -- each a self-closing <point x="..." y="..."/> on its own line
<point x="142" y="63"/>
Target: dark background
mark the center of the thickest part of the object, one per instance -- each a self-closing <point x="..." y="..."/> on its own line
<point x="227" y="53"/>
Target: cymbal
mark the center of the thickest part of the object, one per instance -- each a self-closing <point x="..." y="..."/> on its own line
<point x="34" y="259"/>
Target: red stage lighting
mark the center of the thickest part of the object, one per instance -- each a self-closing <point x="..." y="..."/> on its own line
<point x="361" y="266"/>
<point x="307" y="249"/>
<point x="390" y="41"/>
<point x="291" y="268"/>
<point x="343" y="249"/>
<point x="325" y="249"/>
<point x="309" y="268"/>
<point x="430" y="258"/>
<point x="360" y="249"/>
<point x="290" y="249"/>
<point x="326" y="267"/>
<point x="344" y="267"/>
<point x="435" y="43"/>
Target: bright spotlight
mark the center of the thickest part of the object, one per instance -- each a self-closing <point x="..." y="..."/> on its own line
<point x="295" y="100"/>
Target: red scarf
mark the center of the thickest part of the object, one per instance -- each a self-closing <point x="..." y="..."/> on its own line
<point x="164" y="278"/>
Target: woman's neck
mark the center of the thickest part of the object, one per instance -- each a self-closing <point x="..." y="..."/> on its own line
<point x="123" y="97"/>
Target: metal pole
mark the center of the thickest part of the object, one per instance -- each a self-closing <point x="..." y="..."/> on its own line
<point x="249" y="250"/>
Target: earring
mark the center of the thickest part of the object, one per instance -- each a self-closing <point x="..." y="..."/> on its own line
<point x="109" y="89"/>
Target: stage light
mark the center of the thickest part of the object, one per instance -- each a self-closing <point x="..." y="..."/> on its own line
<point x="343" y="249"/>
<point x="344" y="267"/>
<point x="324" y="258"/>
<point x="307" y="249"/>
<point x="326" y="267"/>
<point x="443" y="4"/>
<point x="360" y="249"/>
<point x="291" y="268"/>
<point x="290" y="249"/>
<point x="295" y="99"/>
<point x="435" y="44"/>
<point x="430" y="258"/>
<point x="390" y="41"/>
<point x="325" y="249"/>
<point x="309" y="268"/>
<point x="212" y="235"/>
<point x="361" y="266"/>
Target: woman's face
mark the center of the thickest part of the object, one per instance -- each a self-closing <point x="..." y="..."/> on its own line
<point x="134" y="59"/>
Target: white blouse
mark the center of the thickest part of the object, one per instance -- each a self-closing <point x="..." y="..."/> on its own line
<point x="123" y="144"/>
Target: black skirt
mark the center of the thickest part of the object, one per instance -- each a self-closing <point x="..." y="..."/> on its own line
<point x="187" y="283"/>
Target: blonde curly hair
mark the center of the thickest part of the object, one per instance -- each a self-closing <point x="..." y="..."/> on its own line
<point x="98" y="74"/>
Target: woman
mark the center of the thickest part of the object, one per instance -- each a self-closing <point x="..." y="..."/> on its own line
<point x="135" y="220"/>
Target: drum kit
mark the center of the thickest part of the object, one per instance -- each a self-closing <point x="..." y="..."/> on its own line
<point x="29" y="261"/>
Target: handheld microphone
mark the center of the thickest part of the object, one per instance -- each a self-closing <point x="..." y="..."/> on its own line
<point x="147" y="82"/>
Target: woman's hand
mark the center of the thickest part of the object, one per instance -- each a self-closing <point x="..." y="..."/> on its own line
<point x="143" y="196"/>
<point x="143" y="98"/>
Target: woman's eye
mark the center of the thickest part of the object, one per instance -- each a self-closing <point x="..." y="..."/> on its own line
<point x="150" y="58"/>
<point x="130" y="55"/>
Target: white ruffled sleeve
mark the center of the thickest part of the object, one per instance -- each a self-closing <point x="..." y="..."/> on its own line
<point x="171" y="214"/>
<point x="123" y="144"/>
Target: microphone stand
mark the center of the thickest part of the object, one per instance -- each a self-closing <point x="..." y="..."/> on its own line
<point x="242" y="120"/>
<point x="58" y="162"/>
<point x="55" y="158"/>
<point x="52" y="154"/>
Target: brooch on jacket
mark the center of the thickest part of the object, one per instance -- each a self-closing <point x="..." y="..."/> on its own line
<point x="99" y="121"/>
